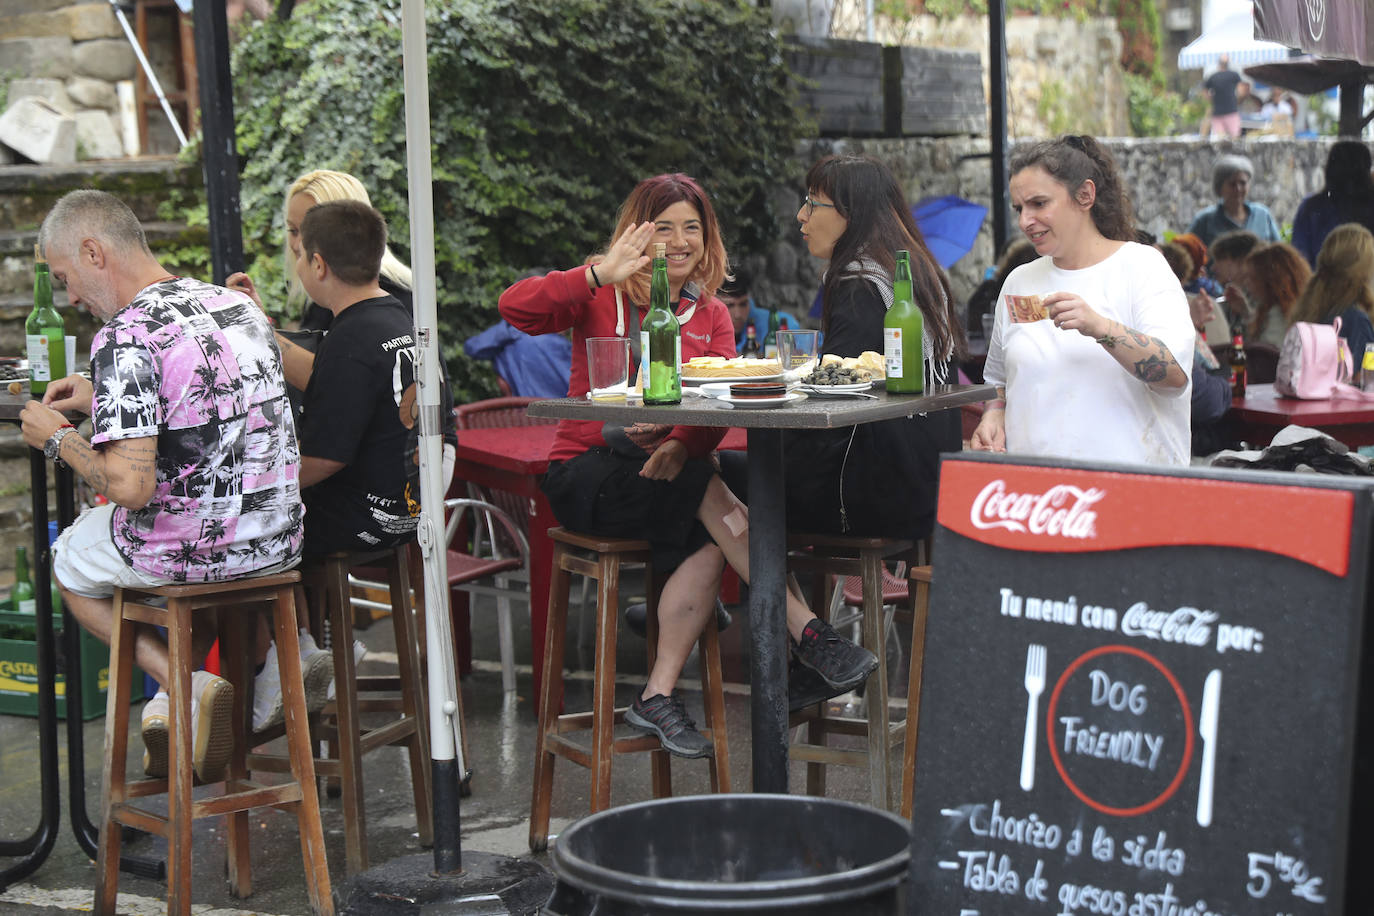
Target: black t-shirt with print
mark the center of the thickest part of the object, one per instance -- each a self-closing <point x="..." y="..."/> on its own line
<point x="359" y="410"/>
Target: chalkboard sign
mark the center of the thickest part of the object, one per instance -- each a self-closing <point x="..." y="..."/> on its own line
<point x="1140" y="694"/>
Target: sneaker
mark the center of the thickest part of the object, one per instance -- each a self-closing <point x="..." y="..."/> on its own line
<point x="635" y="615"/>
<point x="840" y="663"/>
<point x="212" y="725"/>
<point x="667" y="718"/>
<point x="806" y="688"/>
<point x="317" y="670"/>
<point x="156" y="726"/>
<point x="267" y="706"/>
<point x="359" y="653"/>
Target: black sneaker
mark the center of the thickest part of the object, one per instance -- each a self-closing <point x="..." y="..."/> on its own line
<point x="840" y="663"/>
<point x="667" y="718"/>
<point x="806" y="688"/>
<point x="636" y="613"/>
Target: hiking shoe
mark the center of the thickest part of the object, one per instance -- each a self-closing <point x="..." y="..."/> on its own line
<point x="267" y="706"/>
<point x="635" y="615"/>
<point x="842" y="664"/>
<point x="317" y="670"/>
<point x="155" y="727"/>
<point x="667" y="718"/>
<point x="807" y="688"/>
<point x="212" y="725"/>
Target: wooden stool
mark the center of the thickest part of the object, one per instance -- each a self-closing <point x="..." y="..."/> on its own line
<point x="601" y="559"/>
<point x="349" y="740"/>
<point x="826" y="556"/>
<point x="240" y="795"/>
<point x="919" y="577"/>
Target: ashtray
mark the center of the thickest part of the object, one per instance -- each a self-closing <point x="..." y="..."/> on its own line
<point x="757" y="390"/>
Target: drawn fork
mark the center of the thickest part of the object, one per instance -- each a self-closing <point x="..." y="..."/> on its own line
<point x="1035" y="685"/>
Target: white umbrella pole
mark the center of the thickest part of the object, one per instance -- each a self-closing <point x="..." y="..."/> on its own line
<point x="444" y="721"/>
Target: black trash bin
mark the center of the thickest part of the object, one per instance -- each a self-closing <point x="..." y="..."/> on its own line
<point x="710" y="854"/>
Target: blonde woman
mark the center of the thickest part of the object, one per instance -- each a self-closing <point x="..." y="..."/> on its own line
<point x="1341" y="286"/>
<point x="318" y="187"/>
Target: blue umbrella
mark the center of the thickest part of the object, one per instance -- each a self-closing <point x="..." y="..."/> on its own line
<point x="950" y="225"/>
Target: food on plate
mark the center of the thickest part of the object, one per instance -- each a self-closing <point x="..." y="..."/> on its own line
<point x="836" y="374"/>
<point x="867" y="366"/>
<point x="733" y="367"/>
<point x="1026" y="308"/>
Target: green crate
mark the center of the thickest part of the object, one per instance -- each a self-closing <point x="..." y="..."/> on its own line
<point x="19" y="670"/>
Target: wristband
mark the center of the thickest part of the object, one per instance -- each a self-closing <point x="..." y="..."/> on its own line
<point x="595" y="278"/>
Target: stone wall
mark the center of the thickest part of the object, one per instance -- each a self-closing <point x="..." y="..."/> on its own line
<point x="1170" y="180"/>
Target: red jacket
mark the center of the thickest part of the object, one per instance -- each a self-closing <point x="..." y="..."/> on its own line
<point x="562" y="300"/>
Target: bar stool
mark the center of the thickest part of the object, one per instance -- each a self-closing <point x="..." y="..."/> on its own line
<point x="132" y="606"/>
<point x="340" y="723"/>
<point x="919" y="577"/>
<point x="823" y="557"/>
<point x="601" y="559"/>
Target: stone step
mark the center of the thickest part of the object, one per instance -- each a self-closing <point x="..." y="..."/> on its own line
<point x="16" y="253"/>
<point x="28" y="191"/>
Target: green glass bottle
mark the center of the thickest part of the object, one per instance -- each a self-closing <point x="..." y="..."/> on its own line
<point x="44" y="335"/>
<point x="22" y="597"/>
<point x="903" y="328"/>
<point x="660" y="339"/>
<point x="770" y="340"/>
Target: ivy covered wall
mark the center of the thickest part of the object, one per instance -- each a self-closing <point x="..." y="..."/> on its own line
<point x="543" y="117"/>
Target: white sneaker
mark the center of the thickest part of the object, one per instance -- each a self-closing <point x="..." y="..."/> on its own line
<point x="212" y="725"/>
<point x="359" y="653"/>
<point x="267" y="708"/>
<point x="317" y="670"/>
<point x="156" y="727"/>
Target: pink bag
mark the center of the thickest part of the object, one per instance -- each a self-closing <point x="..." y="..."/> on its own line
<point x="1314" y="362"/>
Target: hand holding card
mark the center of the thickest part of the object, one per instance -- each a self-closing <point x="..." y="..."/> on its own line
<point x="1026" y="308"/>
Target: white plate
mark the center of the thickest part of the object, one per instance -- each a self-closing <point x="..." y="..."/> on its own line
<point x="716" y="389"/>
<point x="836" y="389"/>
<point x="712" y="379"/>
<point x="749" y="403"/>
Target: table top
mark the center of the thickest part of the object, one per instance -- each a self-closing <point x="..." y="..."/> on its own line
<point x="811" y="413"/>
<point x="1262" y="402"/>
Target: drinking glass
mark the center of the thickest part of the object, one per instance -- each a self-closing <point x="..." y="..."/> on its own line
<point x="796" y="353"/>
<point x="608" y="367"/>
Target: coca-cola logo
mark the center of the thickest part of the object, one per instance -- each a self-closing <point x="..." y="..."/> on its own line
<point x="1184" y="626"/>
<point x="1063" y="510"/>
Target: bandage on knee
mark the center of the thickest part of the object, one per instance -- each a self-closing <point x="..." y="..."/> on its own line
<point x="737" y="521"/>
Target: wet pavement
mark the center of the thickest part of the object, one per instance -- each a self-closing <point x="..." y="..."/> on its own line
<point x="494" y="818"/>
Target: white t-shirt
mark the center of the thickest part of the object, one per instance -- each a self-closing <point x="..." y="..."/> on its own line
<point x="1066" y="396"/>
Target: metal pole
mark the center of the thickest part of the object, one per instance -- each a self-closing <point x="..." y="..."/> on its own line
<point x="997" y="78"/>
<point x="148" y="72"/>
<point x="217" y="131"/>
<point x="768" y="610"/>
<point x="444" y="741"/>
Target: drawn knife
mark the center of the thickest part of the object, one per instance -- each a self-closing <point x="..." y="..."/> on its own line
<point x="1207" y="727"/>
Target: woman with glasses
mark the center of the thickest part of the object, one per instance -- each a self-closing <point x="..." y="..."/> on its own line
<point x="659" y="483"/>
<point x="1095" y="369"/>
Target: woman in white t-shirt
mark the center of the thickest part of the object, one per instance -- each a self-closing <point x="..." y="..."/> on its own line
<point x="1101" y="375"/>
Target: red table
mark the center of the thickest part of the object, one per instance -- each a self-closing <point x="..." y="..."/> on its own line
<point x="514" y="459"/>
<point x="1263" y="412"/>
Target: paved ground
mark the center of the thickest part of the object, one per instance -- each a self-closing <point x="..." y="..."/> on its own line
<point x="501" y="731"/>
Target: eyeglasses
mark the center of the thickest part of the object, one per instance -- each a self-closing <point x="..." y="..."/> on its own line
<point x="811" y="205"/>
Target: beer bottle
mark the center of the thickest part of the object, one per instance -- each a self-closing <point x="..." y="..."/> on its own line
<point x="44" y="336"/>
<point x="660" y="339"/>
<point x="751" y="343"/>
<point x="1238" y="361"/>
<point x="902" y="331"/>
<point x="22" y="598"/>
<point x="770" y="340"/>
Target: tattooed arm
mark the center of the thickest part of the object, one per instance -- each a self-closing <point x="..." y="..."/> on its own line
<point x="1144" y="357"/>
<point x="297" y="363"/>
<point x="123" y="471"/>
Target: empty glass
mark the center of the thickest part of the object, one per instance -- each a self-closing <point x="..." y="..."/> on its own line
<point x="608" y="367"/>
<point x="796" y="353"/>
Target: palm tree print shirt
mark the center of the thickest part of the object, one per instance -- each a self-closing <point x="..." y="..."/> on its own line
<point x="196" y="365"/>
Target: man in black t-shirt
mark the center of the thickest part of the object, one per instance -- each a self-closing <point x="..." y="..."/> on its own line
<point x="1221" y="89"/>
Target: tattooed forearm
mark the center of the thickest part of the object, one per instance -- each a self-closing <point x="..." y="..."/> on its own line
<point x="82" y="458"/>
<point x="1151" y="370"/>
<point x="1110" y="342"/>
<point x="1142" y="340"/>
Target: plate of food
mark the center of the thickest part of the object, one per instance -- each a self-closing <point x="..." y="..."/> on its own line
<point x="823" y="390"/>
<point x="847" y="375"/>
<point x="701" y="369"/>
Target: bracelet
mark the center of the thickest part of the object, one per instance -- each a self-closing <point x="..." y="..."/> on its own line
<point x="595" y="278"/>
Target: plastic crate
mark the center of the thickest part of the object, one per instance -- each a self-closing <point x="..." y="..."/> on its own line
<point x="19" y="670"/>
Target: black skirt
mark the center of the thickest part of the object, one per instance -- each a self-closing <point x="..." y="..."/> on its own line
<point x="600" y="492"/>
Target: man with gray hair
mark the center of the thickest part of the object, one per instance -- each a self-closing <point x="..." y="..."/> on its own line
<point x="1231" y="182"/>
<point x="193" y="446"/>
